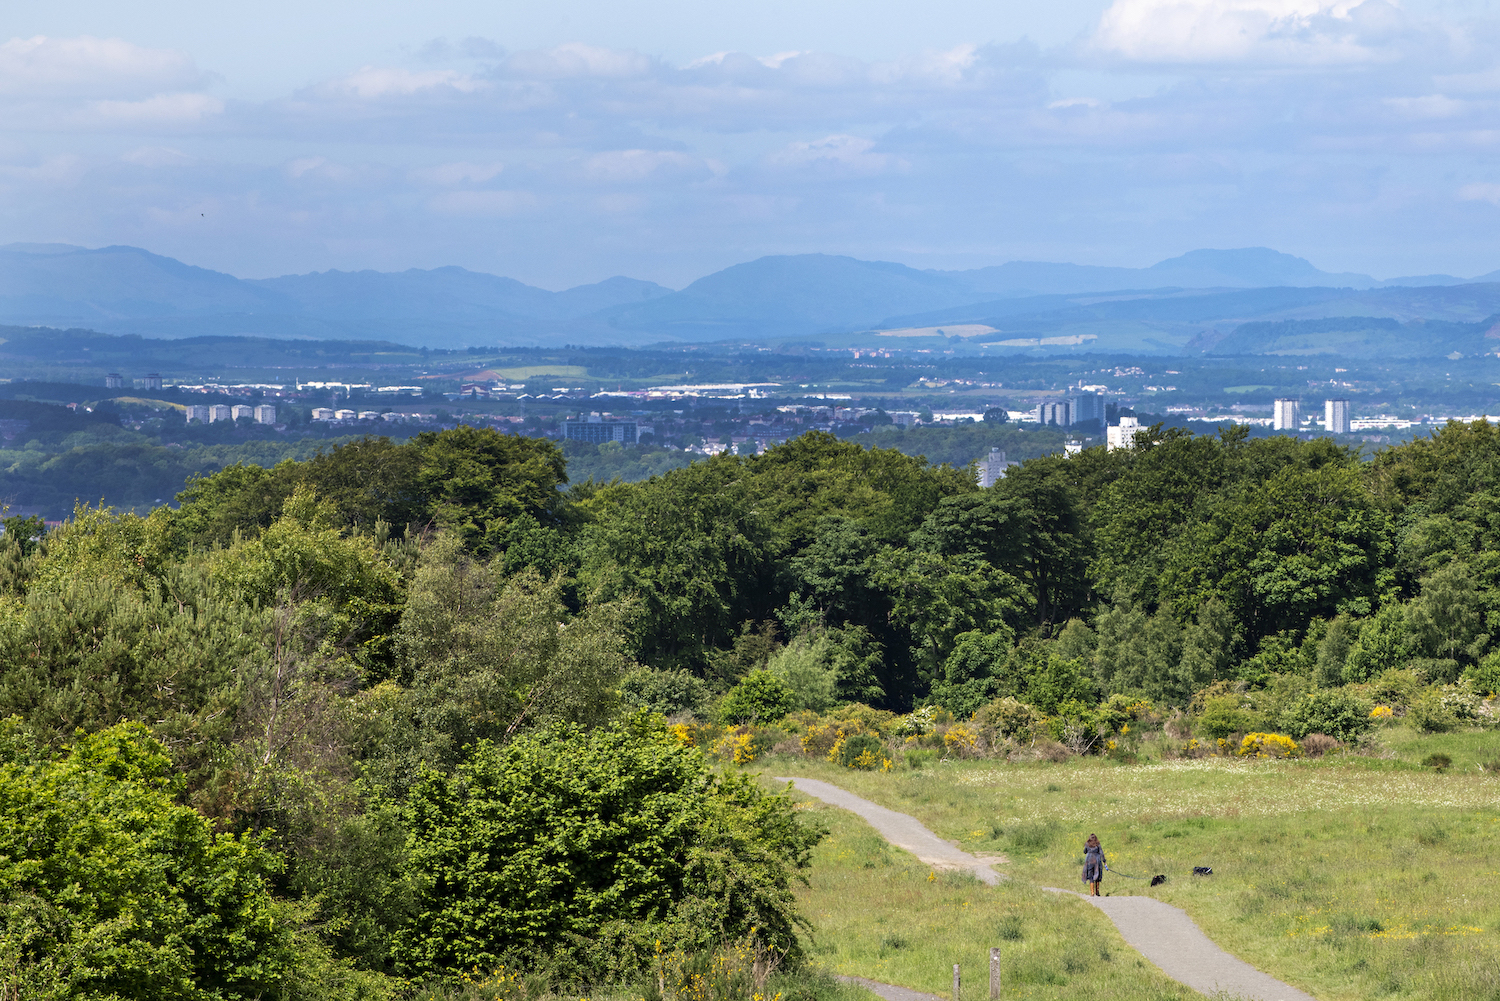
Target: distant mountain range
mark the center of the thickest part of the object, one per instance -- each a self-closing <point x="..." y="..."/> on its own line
<point x="1190" y="303"/>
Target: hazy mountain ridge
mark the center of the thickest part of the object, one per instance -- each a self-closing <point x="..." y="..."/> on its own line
<point x="1196" y="298"/>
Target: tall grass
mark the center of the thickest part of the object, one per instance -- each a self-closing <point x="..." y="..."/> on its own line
<point x="878" y="913"/>
<point x="1351" y="878"/>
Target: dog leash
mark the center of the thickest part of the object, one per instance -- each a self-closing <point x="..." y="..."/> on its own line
<point x="1198" y="870"/>
<point x="1108" y="869"/>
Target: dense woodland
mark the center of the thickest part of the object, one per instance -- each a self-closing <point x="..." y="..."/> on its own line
<point x="403" y="714"/>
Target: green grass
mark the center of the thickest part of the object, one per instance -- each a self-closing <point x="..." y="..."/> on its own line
<point x="881" y="914"/>
<point x="1349" y="877"/>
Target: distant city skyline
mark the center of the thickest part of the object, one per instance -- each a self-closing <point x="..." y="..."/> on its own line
<point x="562" y="144"/>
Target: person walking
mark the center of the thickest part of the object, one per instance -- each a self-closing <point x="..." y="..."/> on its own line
<point x="1093" y="864"/>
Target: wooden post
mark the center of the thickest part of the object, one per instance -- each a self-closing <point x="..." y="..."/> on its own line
<point x="994" y="973"/>
<point x="955" y="982"/>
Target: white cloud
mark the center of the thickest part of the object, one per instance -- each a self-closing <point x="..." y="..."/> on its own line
<point x="54" y="171"/>
<point x="320" y="168"/>
<point x="779" y="59"/>
<point x="1480" y="193"/>
<point x="1215" y="31"/>
<point x="1427" y="106"/>
<point x="156" y="156"/>
<point x="163" y="109"/>
<point x="372" y="82"/>
<point x="843" y="154"/>
<point x="635" y="165"/>
<point x="578" y="60"/>
<point x="448" y="174"/>
<point x="41" y="67"/>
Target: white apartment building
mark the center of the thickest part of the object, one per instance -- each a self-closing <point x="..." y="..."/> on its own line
<point x="1288" y="415"/>
<point x="1121" y="435"/>
<point x="265" y="414"/>
<point x="196" y="413"/>
<point x="344" y="415"/>
<point x="241" y="410"/>
<point x="1336" y="416"/>
<point x="991" y="469"/>
<point x="219" y="412"/>
<point x="1059" y="413"/>
<point x="322" y="414"/>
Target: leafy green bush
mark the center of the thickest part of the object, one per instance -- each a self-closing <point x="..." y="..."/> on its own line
<point x="588" y="846"/>
<point x="761" y="697"/>
<point x="1428" y="713"/>
<point x="108" y="888"/>
<point x="1332" y="711"/>
<point x="1006" y="719"/>
<point x="863" y="750"/>
<point x="1485" y="675"/>
<point x="1223" y="715"/>
<point x="666" y="692"/>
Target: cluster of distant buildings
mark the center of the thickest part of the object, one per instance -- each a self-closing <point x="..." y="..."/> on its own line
<point x="323" y="414"/>
<point x="1081" y="409"/>
<point x="262" y="414"/>
<point x="1287" y="416"/>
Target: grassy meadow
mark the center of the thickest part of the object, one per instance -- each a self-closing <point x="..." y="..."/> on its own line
<point x="881" y="914"/>
<point x="1351" y="877"/>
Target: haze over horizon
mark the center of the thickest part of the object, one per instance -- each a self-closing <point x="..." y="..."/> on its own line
<point x="656" y="140"/>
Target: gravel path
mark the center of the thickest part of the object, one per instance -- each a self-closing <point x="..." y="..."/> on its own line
<point x="1162" y="933"/>
<point x="900" y="830"/>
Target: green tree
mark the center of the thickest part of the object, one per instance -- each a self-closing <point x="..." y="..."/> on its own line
<point x="1305" y="543"/>
<point x="477" y="481"/>
<point x="938" y="598"/>
<point x="484" y="659"/>
<point x="695" y="552"/>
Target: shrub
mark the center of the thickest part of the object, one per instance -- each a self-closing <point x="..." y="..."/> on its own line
<point x="1395" y="687"/>
<point x="109" y="888"/>
<point x="761" y="697"/>
<point x="1437" y="762"/>
<point x="569" y="838"/>
<point x="1224" y="715"/>
<point x="961" y="741"/>
<point x="1463" y="700"/>
<point x="863" y="751"/>
<point x="1429" y="713"/>
<point x="1006" y="719"/>
<point x="1268" y="745"/>
<point x="741" y="745"/>
<point x="805" y="665"/>
<point x="665" y="692"/>
<point x="917" y="723"/>
<point x="1485" y="675"/>
<point x="1315" y="745"/>
<point x="1329" y="710"/>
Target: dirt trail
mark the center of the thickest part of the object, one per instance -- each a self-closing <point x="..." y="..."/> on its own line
<point x="1162" y="933"/>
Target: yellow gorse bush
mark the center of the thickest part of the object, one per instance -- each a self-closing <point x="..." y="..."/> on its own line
<point x="732" y="973"/>
<point x="684" y="732"/>
<point x="737" y="747"/>
<point x="961" y="741"/>
<point x="500" y="984"/>
<point x="1268" y="745"/>
<point x="1382" y="713"/>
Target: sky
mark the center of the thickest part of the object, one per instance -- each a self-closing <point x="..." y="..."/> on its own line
<point x="566" y="142"/>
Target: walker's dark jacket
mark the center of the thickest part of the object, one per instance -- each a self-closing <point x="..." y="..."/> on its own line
<point x="1093" y="865"/>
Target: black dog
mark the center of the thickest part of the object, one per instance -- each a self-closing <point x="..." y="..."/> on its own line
<point x="1158" y="880"/>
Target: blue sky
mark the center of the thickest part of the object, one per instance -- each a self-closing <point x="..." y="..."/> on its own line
<point x="565" y="142"/>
